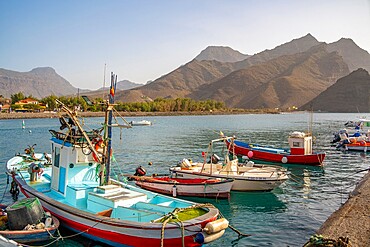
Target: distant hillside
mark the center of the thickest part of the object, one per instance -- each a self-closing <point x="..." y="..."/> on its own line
<point x="352" y="54"/>
<point x="283" y="82"/>
<point x="292" y="47"/>
<point x="181" y="81"/>
<point x="39" y="82"/>
<point x="221" y="54"/>
<point x="349" y="94"/>
<point x="186" y="79"/>
<point x="124" y="85"/>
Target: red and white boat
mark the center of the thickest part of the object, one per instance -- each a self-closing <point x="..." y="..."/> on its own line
<point x="215" y="188"/>
<point x="78" y="190"/>
<point x="300" y="151"/>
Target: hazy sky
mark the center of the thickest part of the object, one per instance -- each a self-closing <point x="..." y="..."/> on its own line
<point x="143" y="40"/>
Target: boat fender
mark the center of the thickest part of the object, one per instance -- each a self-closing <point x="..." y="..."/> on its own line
<point x="48" y="222"/>
<point x="216" y="226"/>
<point x="174" y="190"/>
<point x="284" y="160"/>
<point x="250" y="164"/>
<point x="250" y="154"/>
<point x="204" y="238"/>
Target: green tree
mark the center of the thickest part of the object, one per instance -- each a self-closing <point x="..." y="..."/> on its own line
<point x="17" y="97"/>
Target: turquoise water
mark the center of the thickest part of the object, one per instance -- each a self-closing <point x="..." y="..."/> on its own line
<point x="287" y="216"/>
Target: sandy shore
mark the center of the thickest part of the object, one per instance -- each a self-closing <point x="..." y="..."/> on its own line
<point x="352" y="219"/>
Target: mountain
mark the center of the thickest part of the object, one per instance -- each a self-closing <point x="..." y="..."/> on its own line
<point x="179" y="82"/>
<point x="349" y="94"/>
<point x="39" y="82"/>
<point x="221" y="54"/>
<point x="283" y="82"/>
<point x="124" y="85"/>
<point x="292" y="47"/>
<point x="352" y="54"/>
<point x="186" y="79"/>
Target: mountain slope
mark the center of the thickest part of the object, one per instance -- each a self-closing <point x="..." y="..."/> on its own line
<point x="221" y="54"/>
<point x="181" y="81"/>
<point x="352" y="54"/>
<point x="187" y="78"/>
<point x="39" y="82"/>
<point x="349" y="94"/>
<point x="283" y="82"/>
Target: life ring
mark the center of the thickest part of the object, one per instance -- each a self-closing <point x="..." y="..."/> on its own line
<point x="284" y="160"/>
<point x="250" y="154"/>
<point x="99" y="143"/>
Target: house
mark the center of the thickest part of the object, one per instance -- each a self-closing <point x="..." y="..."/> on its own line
<point x="29" y="105"/>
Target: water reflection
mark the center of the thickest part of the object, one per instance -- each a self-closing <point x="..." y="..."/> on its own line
<point x="247" y="202"/>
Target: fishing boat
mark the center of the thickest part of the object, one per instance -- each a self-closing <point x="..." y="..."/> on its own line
<point x="355" y="142"/>
<point x="79" y="191"/>
<point x="300" y="151"/>
<point x="247" y="177"/>
<point x="140" y="123"/>
<point x="214" y="188"/>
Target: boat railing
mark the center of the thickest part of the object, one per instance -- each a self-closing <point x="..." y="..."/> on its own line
<point x="76" y="139"/>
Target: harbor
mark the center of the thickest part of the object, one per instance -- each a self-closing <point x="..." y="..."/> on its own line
<point x="297" y="208"/>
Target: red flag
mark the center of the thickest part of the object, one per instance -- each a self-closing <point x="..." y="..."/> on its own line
<point x="112" y="91"/>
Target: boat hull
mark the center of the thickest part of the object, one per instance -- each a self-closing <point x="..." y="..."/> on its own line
<point x="240" y="183"/>
<point x="358" y="146"/>
<point x="116" y="232"/>
<point x="241" y="149"/>
<point x="219" y="189"/>
<point x="31" y="236"/>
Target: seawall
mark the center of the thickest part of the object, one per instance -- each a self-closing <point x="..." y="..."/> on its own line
<point x="352" y="219"/>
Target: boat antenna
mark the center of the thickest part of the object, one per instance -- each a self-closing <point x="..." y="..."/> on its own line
<point x="105" y="67"/>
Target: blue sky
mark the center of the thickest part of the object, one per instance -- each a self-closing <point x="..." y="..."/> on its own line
<point x="142" y="40"/>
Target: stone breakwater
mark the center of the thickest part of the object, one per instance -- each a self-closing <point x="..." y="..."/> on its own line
<point x="352" y="219"/>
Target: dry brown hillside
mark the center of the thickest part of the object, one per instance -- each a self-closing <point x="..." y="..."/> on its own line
<point x="349" y="94"/>
<point x="282" y="82"/>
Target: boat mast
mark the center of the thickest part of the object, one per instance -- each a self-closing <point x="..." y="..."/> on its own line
<point x="108" y="132"/>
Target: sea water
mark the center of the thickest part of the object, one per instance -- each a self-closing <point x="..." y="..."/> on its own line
<point x="287" y="216"/>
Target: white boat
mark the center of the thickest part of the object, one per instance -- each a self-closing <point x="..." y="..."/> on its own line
<point x="78" y="190"/>
<point x="140" y="123"/>
<point x="247" y="177"/>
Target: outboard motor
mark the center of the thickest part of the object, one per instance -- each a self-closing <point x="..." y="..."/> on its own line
<point x="215" y="159"/>
<point x="140" y="171"/>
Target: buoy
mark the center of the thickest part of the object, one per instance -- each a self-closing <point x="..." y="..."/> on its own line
<point x="216" y="226"/>
<point x="150" y="163"/>
<point x="284" y="160"/>
<point x="204" y="238"/>
<point x="250" y="154"/>
<point x="174" y="190"/>
<point x="30" y="131"/>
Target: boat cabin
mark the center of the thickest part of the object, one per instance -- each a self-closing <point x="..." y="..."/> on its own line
<point x="300" y="143"/>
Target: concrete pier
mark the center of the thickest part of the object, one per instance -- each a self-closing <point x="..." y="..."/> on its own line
<point x="352" y="219"/>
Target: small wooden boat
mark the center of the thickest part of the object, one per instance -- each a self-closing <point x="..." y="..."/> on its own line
<point x="300" y="151"/>
<point x="140" y="123"/>
<point x="198" y="187"/>
<point x="32" y="235"/>
<point x="26" y="222"/>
